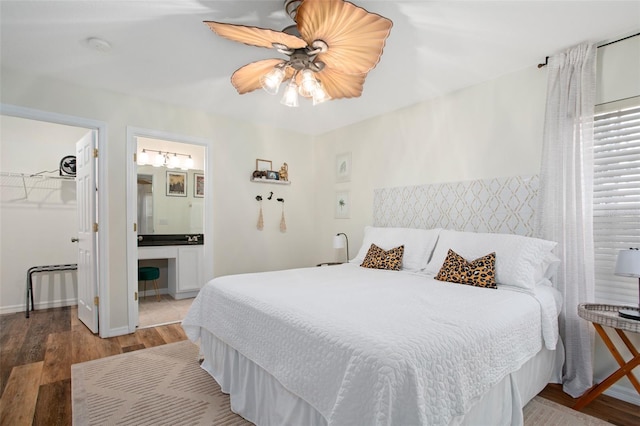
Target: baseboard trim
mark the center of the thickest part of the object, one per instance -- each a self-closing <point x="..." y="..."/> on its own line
<point x="12" y="309"/>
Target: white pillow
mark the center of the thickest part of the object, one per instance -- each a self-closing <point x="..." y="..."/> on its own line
<point x="418" y="244"/>
<point x="520" y="261"/>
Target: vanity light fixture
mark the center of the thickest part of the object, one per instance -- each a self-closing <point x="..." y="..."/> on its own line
<point x="168" y="159"/>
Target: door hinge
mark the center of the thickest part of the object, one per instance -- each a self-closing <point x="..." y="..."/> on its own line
<point x="95" y="152"/>
<point x="135" y="157"/>
<point x="135" y="296"/>
<point x="135" y="227"/>
<point x="95" y="227"/>
<point x="96" y="300"/>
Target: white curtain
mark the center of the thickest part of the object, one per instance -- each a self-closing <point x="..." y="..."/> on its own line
<point x="566" y="200"/>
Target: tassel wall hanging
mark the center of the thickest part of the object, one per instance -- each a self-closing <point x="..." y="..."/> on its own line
<point x="283" y="224"/>
<point x="260" y="224"/>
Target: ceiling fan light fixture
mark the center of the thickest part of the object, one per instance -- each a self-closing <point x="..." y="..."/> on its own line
<point x="290" y="97"/>
<point x="308" y="83"/>
<point x="336" y="40"/>
<point x="271" y="81"/>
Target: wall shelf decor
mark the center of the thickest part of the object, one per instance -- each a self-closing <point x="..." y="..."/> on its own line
<point x="276" y="182"/>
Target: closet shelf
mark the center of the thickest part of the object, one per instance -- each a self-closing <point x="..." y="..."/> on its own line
<point x="26" y="182"/>
<point x="35" y="176"/>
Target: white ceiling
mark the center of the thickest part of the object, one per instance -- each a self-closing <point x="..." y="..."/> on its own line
<point x="161" y="50"/>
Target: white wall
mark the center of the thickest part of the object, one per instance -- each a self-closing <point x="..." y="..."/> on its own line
<point x="37" y="216"/>
<point x="489" y="130"/>
<point x="238" y="246"/>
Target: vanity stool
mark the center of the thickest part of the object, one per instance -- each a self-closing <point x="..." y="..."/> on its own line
<point x="150" y="273"/>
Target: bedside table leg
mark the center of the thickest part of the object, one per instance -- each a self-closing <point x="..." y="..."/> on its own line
<point x="634" y="352"/>
<point x="626" y="369"/>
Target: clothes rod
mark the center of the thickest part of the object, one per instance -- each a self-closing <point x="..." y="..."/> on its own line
<point x="546" y="58"/>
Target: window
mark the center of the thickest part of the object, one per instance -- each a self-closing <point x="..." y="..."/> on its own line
<point x="616" y="198"/>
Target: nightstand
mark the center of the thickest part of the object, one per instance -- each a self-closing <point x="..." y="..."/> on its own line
<point x="329" y="263"/>
<point x="607" y="315"/>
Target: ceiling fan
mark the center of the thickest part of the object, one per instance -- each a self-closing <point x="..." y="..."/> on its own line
<point x="330" y="49"/>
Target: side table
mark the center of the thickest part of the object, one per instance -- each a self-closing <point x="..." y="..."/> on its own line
<point x="607" y="315"/>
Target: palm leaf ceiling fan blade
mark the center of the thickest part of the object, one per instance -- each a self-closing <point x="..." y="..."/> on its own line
<point x="355" y="37"/>
<point x="338" y="85"/>
<point x="247" y="78"/>
<point x="255" y="36"/>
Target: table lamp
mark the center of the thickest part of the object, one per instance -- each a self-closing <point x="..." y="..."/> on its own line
<point x="628" y="265"/>
<point x="338" y="242"/>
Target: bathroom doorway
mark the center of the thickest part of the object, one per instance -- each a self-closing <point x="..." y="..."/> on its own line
<point x="169" y="205"/>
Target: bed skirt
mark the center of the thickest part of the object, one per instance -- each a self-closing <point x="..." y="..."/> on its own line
<point x="260" y="398"/>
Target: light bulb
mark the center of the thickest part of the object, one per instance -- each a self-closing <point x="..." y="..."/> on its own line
<point x="188" y="163"/>
<point x="319" y="95"/>
<point x="308" y="83"/>
<point x="159" y="160"/>
<point x="143" y="158"/>
<point x="174" y="162"/>
<point x="290" y="97"/>
<point x="271" y="81"/>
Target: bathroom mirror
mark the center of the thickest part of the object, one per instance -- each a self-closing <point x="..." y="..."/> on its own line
<point x="170" y="196"/>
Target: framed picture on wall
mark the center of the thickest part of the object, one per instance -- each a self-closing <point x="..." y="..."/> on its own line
<point x="343" y="205"/>
<point x="343" y="167"/>
<point x="263" y="165"/>
<point x="177" y="184"/>
<point x="198" y="185"/>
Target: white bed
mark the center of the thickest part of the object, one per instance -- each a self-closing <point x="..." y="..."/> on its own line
<point x="346" y="345"/>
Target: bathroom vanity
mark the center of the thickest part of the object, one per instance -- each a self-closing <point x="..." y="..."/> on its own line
<point x="185" y="256"/>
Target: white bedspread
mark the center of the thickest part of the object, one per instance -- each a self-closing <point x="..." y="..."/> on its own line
<point x="372" y="347"/>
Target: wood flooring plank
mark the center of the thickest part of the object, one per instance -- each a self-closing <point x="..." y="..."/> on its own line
<point x="84" y="346"/>
<point x="54" y="404"/>
<point x="133" y="348"/>
<point x="128" y="340"/>
<point x="32" y="349"/>
<point x="172" y="333"/>
<point x="61" y="320"/>
<point x="57" y="357"/>
<point x="150" y="337"/>
<point x="18" y="402"/>
<point x="13" y="332"/>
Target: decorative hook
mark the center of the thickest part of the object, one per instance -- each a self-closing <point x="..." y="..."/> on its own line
<point x="270" y="195"/>
<point x="258" y="197"/>
<point x="281" y="200"/>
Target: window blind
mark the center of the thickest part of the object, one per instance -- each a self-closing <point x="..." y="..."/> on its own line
<point x="616" y="198"/>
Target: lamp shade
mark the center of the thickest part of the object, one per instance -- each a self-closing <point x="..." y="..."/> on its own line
<point x="628" y="263"/>
<point x="338" y="242"/>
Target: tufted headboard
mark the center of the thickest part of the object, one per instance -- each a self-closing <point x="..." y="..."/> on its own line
<point x="501" y="205"/>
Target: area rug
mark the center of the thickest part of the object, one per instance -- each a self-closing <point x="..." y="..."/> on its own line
<point x="165" y="385"/>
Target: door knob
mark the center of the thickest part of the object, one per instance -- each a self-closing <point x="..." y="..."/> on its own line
<point x="74" y="240"/>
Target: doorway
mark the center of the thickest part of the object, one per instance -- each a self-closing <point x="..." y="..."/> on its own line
<point x="54" y="197"/>
<point x="164" y="200"/>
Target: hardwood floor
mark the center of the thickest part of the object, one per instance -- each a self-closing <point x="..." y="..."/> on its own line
<point x="37" y="353"/>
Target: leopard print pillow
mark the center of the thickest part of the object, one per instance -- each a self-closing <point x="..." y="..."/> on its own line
<point x="377" y="258"/>
<point x="480" y="272"/>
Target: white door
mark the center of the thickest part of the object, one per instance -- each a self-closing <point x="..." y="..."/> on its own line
<point x="86" y="193"/>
